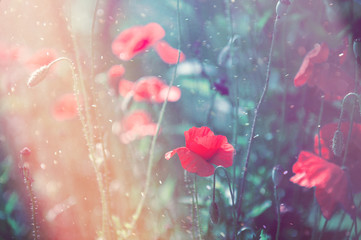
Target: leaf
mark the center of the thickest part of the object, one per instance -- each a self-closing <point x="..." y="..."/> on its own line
<point x="11" y="203"/>
<point x="259" y="209"/>
<point x="264" y="236"/>
<point x="166" y="191"/>
<point x="263" y="20"/>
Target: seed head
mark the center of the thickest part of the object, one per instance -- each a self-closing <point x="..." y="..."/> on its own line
<point x="337" y="143"/>
<point x="38" y="75"/>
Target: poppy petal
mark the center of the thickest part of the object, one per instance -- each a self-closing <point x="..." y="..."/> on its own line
<point x="167" y="53"/>
<point x="329" y="179"/>
<point x="41" y="58"/>
<point x="318" y="54"/>
<point x="203" y="141"/>
<point x="192" y="162"/>
<point x="136" y="39"/>
<point x="124" y="87"/>
<point x="65" y="108"/>
<point x="174" y="94"/>
<point x="224" y="156"/>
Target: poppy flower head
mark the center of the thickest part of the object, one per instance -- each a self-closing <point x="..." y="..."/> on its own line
<point x="65" y="107"/>
<point x="202" y="150"/>
<point x="353" y="161"/>
<point x="41" y="58"/>
<point x="136" y="39"/>
<point x="327" y="132"/>
<point x="115" y="73"/>
<point x="329" y="179"/>
<point x="167" y="53"/>
<point x="124" y="87"/>
<point x="318" y="54"/>
<point x="153" y="89"/>
<point x="320" y="70"/>
<point x="134" y="126"/>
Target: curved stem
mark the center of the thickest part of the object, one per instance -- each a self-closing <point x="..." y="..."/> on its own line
<point x="154" y="140"/>
<point x="323" y="229"/>
<point x="278" y="211"/>
<point x="253" y="128"/>
<point x="196" y="207"/>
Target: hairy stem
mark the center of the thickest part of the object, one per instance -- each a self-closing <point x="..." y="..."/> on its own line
<point x="253" y="128"/>
<point x="154" y="140"/>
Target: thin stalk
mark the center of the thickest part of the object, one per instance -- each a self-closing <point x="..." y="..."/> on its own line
<point x="33" y="202"/>
<point x="277" y="203"/>
<point x="323" y="229"/>
<point x="253" y="128"/>
<point x="318" y="213"/>
<point x="195" y="194"/>
<point x="107" y="224"/>
<point x="154" y="140"/>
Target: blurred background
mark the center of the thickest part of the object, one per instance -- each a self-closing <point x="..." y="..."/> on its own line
<point x="220" y="80"/>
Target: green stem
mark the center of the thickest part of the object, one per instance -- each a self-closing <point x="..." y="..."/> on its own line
<point x="278" y="211"/>
<point x="196" y="207"/>
<point x="315" y="204"/>
<point x="253" y="128"/>
<point x="323" y="229"/>
<point x="154" y="140"/>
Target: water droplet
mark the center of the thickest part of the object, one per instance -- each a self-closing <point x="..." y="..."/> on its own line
<point x="43" y="166"/>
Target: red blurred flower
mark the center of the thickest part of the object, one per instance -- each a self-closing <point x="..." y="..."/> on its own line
<point x="330" y="181"/>
<point x="319" y="70"/>
<point x="149" y="89"/>
<point x="202" y="150"/>
<point x="8" y="55"/>
<point x="353" y="162"/>
<point x="65" y="107"/>
<point x="115" y="74"/>
<point x="136" y="39"/>
<point x="134" y="126"/>
<point x="167" y="53"/>
<point x="41" y="58"/>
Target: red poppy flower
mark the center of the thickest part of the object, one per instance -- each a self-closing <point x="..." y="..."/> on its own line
<point x="167" y="53"/>
<point x="124" y="87"/>
<point x="330" y="181"/>
<point x="65" y="107"/>
<point x="41" y="58"/>
<point x="353" y="162"/>
<point x="318" y="70"/>
<point x="136" y="39"/>
<point x="8" y="55"/>
<point x="134" y="126"/>
<point x="115" y="73"/>
<point x="149" y="89"/>
<point x="202" y="150"/>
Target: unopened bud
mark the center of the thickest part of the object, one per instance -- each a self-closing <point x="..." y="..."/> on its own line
<point x="25" y="151"/>
<point x="277" y="175"/>
<point x="357" y="49"/>
<point x="281" y="8"/>
<point x="337" y="143"/>
<point x="214" y="212"/>
<point x="38" y="75"/>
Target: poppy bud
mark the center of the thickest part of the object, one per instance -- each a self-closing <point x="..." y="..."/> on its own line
<point x="357" y="49"/>
<point x="277" y="175"/>
<point x="214" y="212"/>
<point x="337" y="143"/>
<point x="281" y="8"/>
<point x="38" y="75"/>
<point x="25" y="151"/>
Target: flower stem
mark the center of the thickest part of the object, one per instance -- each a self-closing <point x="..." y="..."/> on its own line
<point x="253" y="128"/>
<point x="323" y="229"/>
<point x="154" y="140"/>
<point x="195" y="194"/>
<point x="277" y="203"/>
